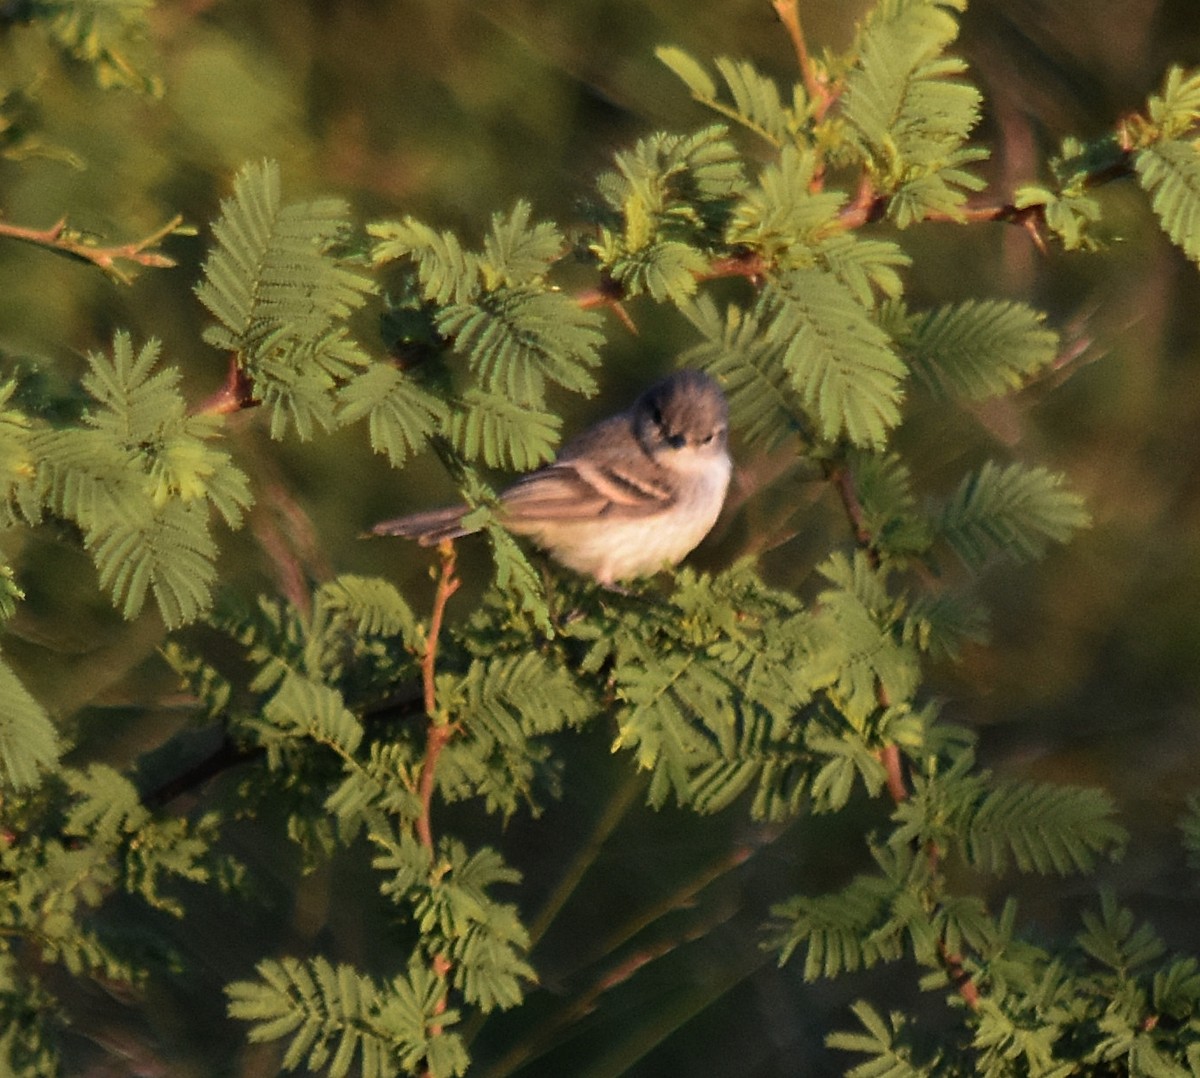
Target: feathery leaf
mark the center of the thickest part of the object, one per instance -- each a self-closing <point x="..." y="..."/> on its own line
<point x="28" y="740"/>
<point x="840" y="362"/>
<point x="1012" y="511"/>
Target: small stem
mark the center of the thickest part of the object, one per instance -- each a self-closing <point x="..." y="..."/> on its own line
<point x="843" y="482"/>
<point x="67" y="241"/>
<point x="438" y="732"/>
<point x="235" y="394"/>
<point x="789" y="14"/>
<point x="889" y="756"/>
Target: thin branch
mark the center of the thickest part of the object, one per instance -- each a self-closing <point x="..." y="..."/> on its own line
<point x="68" y="241"/>
<point x="235" y="394"/>
<point x="889" y="756"/>
<point x="438" y="732"/>
<point x="816" y="88"/>
<point x="842" y="479"/>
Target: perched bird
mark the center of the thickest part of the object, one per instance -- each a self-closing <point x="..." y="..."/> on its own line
<point x="627" y="497"/>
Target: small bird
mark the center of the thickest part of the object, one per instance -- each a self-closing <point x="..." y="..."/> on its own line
<point x="629" y="496"/>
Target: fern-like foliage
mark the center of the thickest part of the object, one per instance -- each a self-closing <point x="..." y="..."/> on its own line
<point x="517" y="333"/>
<point x="142" y="478"/>
<point x="763" y="405"/>
<point x="108" y="814"/>
<point x="336" y="1019"/>
<point x="911" y="109"/>
<point x="29" y="743"/>
<point x="505" y="704"/>
<point x="1012" y="511"/>
<point x="756" y="101"/>
<point x="18" y="490"/>
<point x="1170" y="173"/>
<point x="666" y="200"/>
<point x="841" y="364"/>
<point x="281" y="299"/>
<point x="707" y="703"/>
<point x="458" y="917"/>
<point x="1038" y="828"/>
<point x="106" y="34"/>
<point x="856" y="657"/>
<point x="886" y="1042"/>
<point x="976" y="349"/>
<point x="400" y="413"/>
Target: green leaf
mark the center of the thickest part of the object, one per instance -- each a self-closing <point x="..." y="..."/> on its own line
<point x="334" y="1014"/>
<point x="108" y="807"/>
<point x="889" y="508"/>
<point x="757" y="104"/>
<point x="669" y="187"/>
<point x="781" y="216"/>
<point x="978" y="348"/>
<point x="1042" y="828"/>
<point x="516" y="577"/>
<point x="374" y="606"/>
<point x="1014" y="511"/>
<point x="400" y="413"/>
<point x="677" y="717"/>
<point x="516" y="252"/>
<point x="1169" y="172"/>
<point x="884" y="1043"/>
<point x="307" y="707"/>
<point x="446" y="271"/>
<point x="840" y="362"/>
<point x="841" y="932"/>
<point x="28" y="740"/>
<point x="855" y="656"/>
<point x="1176" y="110"/>
<point x="689" y="70"/>
<point x="912" y="111"/>
<point x="107" y="34"/>
<point x="764" y="408"/>
<point x="168" y="552"/>
<point x="517" y="339"/>
<point x="502" y="433"/>
<point x="666" y="269"/>
<point x="281" y="298"/>
<point x="1114" y="938"/>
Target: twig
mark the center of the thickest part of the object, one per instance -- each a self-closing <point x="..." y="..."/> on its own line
<point x="889" y="756"/>
<point x="817" y="90"/>
<point x="235" y="394"/>
<point x="68" y="241"/>
<point x="843" y="482"/>
<point x="438" y="732"/>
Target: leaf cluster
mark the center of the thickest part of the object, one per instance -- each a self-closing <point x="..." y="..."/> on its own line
<point x="363" y="720"/>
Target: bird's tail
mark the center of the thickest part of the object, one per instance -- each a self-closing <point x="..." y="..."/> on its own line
<point x="428" y="528"/>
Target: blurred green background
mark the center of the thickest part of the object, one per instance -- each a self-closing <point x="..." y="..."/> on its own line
<point x="450" y="110"/>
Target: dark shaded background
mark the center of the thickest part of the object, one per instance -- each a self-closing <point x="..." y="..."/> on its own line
<point x="449" y="110"/>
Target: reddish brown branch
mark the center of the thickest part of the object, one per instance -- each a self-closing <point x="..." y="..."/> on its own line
<point x="71" y="242"/>
<point x="439" y="731"/>
<point x="889" y="756"/>
<point x="817" y="89"/>
<point x="235" y="394"/>
<point x="748" y="264"/>
<point x="843" y="482"/>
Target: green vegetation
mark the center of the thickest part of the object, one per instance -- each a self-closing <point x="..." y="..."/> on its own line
<point x="402" y="739"/>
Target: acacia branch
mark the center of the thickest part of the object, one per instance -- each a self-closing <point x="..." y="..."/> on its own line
<point x="438" y="731"/>
<point x="68" y="241"/>
<point x="235" y="394"/>
<point x="817" y="89"/>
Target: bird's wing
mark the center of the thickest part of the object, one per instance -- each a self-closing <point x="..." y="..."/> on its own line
<point x="581" y="489"/>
